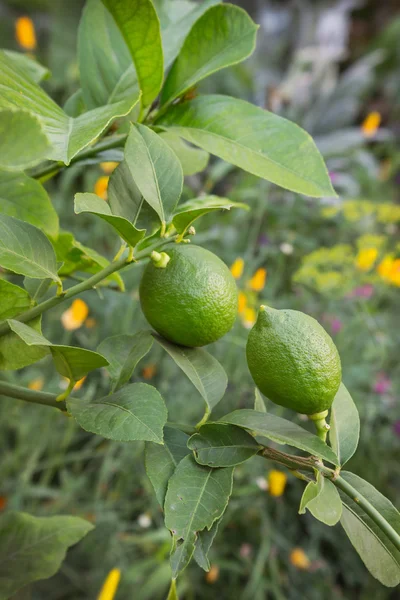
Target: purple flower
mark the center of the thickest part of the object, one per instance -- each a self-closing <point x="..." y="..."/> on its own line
<point x="333" y="176"/>
<point x="336" y="326"/>
<point x="363" y="291"/>
<point x="396" y="428"/>
<point x="263" y="240"/>
<point x="382" y="384"/>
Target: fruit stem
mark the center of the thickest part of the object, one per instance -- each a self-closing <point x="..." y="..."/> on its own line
<point x="320" y="423"/>
<point x="21" y="393"/>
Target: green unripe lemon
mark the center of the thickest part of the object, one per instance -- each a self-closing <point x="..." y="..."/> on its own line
<point x="293" y="361"/>
<point x="193" y="300"/>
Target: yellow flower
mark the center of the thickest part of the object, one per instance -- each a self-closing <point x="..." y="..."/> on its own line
<point x="249" y="317"/>
<point x="385" y="267"/>
<point x="213" y="574"/>
<point x="237" y="268"/>
<point x="276" y="483"/>
<point x="75" y="316"/>
<point x="108" y="167"/>
<point x="299" y="559"/>
<point x="110" y="585"/>
<point x="370" y="124"/>
<point x="242" y="302"/>
<point x="36" y="384"/>
<point x="395" y="275"/>
<point x="257" y="282"/>
<point x="25" y="33"/>
<point x="366" y="258"/>
<point x="101" y="186"/>
<point x="79" y="384"/>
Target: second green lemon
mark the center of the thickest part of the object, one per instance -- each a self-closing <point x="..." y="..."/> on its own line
<point x="293" y="361"/>
<point x="192" y="300"/>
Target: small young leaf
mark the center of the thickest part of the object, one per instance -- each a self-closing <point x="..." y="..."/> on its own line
<point x="197" y="496"/>
<point x="123" y="352"/>
<point x="203" y="370"/>
<point x="161" y="461"/>
<point x="138" y="22"/>
<point x="91" y="203"/>
<point x="311" y="491"/>
<point x="192" y="210"/>
<point x="23" y="142"/>
<point x="26" y="199"/>
<point x="322" y="500"/>
<point x="280" y="431"/>
<point x="253" y="139"/>
<point x="203" y="544"/>
<point x="345" y="425"/>
<point x="25" y="250"/>
<point x="136" y="412"/>
<point x="193" y="160"/>
<point x="33" y="548"/>
<point x="218" y="445"/>
<point x="209" y="48"/>
<point x="259" y="404"/>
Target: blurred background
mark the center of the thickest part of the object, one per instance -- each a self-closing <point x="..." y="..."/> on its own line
<point x="333" y="68"/>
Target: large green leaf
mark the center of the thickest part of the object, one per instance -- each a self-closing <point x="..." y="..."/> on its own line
<point x="105" y="64"/>
<point x="90" y="203"/>
<point x="220" y="445"/>
<point x="193" y="160"/>
<point x="138" y="22"/>
<point x="14" y="353"/>
<point x="26" y="198"/>
<point x="193" y="209"/>
<point x="136" y="412"/>
<point x="29" y="65"/>
<point x="25" y="250"/>
<point x="203" y="370"/>
<point x="345" y="425"/>
<point x="161" y="461"/>
<point x="196" y="497"/>
<point x="203" y="544"/>
<point x="23" y="143"/>
<point x="155" y="169"/>
<point x="123" y="352"/>
<point x="322" y="499"/>
<point x="33" y="548"/>
<point x="378" y="553"/>
<point x="223" y="36"/>
<point x="280" y="431"/>
<point x="66" y="135"/>
<point x="73" y="363"/>
<point x="254" y="140"/>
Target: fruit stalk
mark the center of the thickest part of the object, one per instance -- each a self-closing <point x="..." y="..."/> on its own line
<point x="21" y="393"/>
<point x="320" y="423"/>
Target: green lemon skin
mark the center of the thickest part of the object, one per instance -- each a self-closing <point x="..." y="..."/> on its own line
<point x="293" y="361"/>
<point x="193" y="300"/>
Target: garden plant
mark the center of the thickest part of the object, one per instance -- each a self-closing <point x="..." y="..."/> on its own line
<point x="138" y="105"/>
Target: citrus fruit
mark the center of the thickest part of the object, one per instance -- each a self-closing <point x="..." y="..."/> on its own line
<point x="293" y="361"/>
<point x="192" y="301"/>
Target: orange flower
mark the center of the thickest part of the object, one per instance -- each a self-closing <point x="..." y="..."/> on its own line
<point x="3" y="502"/>
<point x="108" y="167"/>
<point x="249" y="317"/>
<point x="371" y="124"/>
<point x="299" y="559"/>
<point x="149" y="371"/>
<point x="395" y="272"/>
<point x="90" y="323"/>
<point x="101" y="186"/>
<point x="25" y="33"/>
<point x="110" y="585"/>
<point x="366" y="258"/>
<point x="385" y="267"/>
<point x="237" y="268"/>
<point x="36" y="384"/>
<point x="276" y="483"/>
<point x="213" y="574"/>
<point x="257" y="282"/>
<point x="75" y="316"/>
<point x="242" y="303"/>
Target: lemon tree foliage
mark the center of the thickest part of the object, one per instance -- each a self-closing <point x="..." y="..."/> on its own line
<point x="138" y="64"/>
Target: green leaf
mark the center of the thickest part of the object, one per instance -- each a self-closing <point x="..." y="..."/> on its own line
<point x="203" y="544"/>
<point x="66" y="135"/>
<point x="172" y="593"/>
<point x="280" y="431"/>
<point x="155" y="169"/>
<point x="136" y="412"/>
<point x="253" y="139"/>
<point x="193" y="209"/>
<point x="203" y="370"/>
<point x="23" y="143"/>
<point x="345" y="425"/>
<point x="138" y="22"/>
<point x="90" y="203"/>
<point x="25" y="250"/>
<point x="75" y="106"/>
<point x="105" y="64"/>
<point x="322" y="500"/>
<point x="378" y="553"/>
<point x="73" y="363"/>
<point x="193" y="160"/>
<point x="161" y="461"/>
<point x="223" y="36"/>
<point x="123" y="352"/>
<point x="259" y="404"/>
<point x="29" y="65"/>
<point x="197" y="496"/>
<point x="219" y="445"/>
<point x="33" y="548"/>
<point x="26" y="199"/>
<point x="14" y="354"/>
<point x="36" y="288"/>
